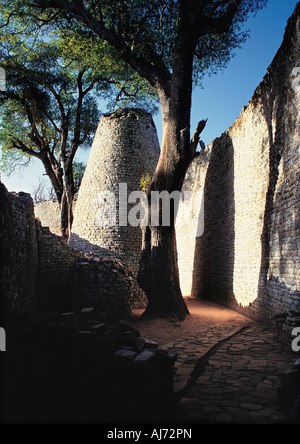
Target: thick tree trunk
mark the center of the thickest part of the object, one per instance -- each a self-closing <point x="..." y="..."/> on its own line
<point x="64" y="218"/>
<point x="67" y="203"/>
<point x="57" y="179"/>
<point x="159" y="272"/>
<point x="66" y="214"/>
<point x="159" y="276"/>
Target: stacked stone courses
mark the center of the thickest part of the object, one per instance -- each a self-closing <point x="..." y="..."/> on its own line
<point x="125" y="150"/>
<point x="48" y="212"/>
<point x="18" y="251"/>
<point x="38" y="270"/>
<point x="249" y="254"/>
<point x="245" y="190"/>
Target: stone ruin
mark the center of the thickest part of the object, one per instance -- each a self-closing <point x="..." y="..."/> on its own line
<point x="245" y="191"/>
<point x="125" y="150"/>
<point x="65" y="314"/>
<point x="248" y="257"/>
<point x="39" y="271"/>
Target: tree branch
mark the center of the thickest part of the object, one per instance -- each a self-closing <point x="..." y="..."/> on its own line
<point x="196" y="137"/>
<point x="58" y="130"/>
<point x="10" y="15"/>
<point x="76" y="131"/>
<point x="19" y="145"/>
<point x="219" y="25"/>
<point x="155" y="72"/>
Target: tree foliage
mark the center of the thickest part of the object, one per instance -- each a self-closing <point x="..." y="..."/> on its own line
<point x="54" y="81"/>
<point x="144" y="33"/>
<point x="46" y="108"/>
<point x="168" y="45"/>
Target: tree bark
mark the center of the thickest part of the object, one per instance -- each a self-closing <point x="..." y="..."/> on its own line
<point x="67" y="200"/>
<point x="159" y="274"/>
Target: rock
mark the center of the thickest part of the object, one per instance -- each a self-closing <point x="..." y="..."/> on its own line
<point x="124" y="326"/>
<point x="68" y="319"/>
<point x="145" y="356"/>
<point x="128" y="348"/>
<point x="150" y="344"/>
<point x="68" y="315"/>
<point x="128" y="338"/>
<point x="139" y="344"/>
<point x="125" y="354"/>
<point x="85" y="311"/>
<point x="297" y="364"/>
<point x="290" y="320"/>
<point x="180" y="386"/>
<point x="99" y="327"/>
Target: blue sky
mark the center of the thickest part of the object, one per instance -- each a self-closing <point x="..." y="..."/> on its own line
<point x="223" y="95"/>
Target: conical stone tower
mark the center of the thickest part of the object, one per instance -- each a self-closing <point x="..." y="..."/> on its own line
<point x="125" y="150"/>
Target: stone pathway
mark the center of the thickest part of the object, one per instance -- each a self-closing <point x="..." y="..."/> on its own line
<point x="228" y="372"/>
<point x="239" y="382"/>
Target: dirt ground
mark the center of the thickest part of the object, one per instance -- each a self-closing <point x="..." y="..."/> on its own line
<point x="228" y="368"/>
<point x="202" y="316"/>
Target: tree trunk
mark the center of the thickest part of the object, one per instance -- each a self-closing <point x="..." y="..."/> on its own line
<point x="64" y="218"/>
<point x="57" y="179"/>
<point x="67" y="202"/>
<point x="159" y="274"/>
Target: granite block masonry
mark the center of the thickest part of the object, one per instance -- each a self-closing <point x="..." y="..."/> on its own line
<point x="246" y="182"/>
<point x="249" y="180"/>
<point x="18" y="252"/>
<point x="125" y="150"/>
<point x="39" y="271"/>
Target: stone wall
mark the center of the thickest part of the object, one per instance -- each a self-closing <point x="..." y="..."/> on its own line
<point x="48" y="213"/>
<point x="249" y="178"/>
<point x="125" y="150"/>
<point x="56" y="260"/>
<point x="18" y="252"/>
<point x="38" y="270"/>
<point x="70" y="280"/>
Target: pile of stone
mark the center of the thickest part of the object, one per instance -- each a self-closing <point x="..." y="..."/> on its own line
<point x="111" y="262"/>
<point x="75" y="368"/>
<point x="104" y="283"/>
<point x="289" y="394"/>
<point x="285" y="324"/>
<point x="120" y="339"/>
